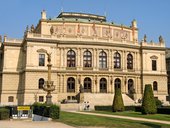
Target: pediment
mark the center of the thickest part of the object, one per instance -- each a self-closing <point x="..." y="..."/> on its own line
<point x="41" y="50"/>
<point x="154" y="57"/>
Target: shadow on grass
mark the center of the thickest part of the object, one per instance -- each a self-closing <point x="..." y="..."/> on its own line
<point x="151" y="125"/>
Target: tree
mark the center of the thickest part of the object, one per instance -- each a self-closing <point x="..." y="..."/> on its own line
<point x="118" y="101"/>
<point x="148" y="103"/>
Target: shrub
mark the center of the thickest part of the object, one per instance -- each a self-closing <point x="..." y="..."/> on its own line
<point x="158" y="102"/>
<point x="118" y="101"/>
<point x="52" y="111"/>
<point x="4" y="114"/>
<point x="163" y="110"/>
<point x="103" y="108"/>
<point x="148" y="103"/>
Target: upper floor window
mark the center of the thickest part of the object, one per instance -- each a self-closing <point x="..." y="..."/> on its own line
<point x="102" y="60"/>
<point x="155" y="86"/>
<point x="87" y="59"/>
<point x="41" y="59"/>
<point x="154" y="67"/>
<point x="40" y="83"/>
<point x="117" y="60"/>
<point x="71" y="58"/>
<point x="129" y="61"/>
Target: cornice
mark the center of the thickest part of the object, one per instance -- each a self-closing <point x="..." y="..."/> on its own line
<point x="83" y="43"/>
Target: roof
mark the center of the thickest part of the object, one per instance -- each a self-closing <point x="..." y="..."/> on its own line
<point x="85" y="16"/>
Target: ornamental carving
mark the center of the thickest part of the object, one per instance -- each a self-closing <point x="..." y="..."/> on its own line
<point x="154" y="57"/>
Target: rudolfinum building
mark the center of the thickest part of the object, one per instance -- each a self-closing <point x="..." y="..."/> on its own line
<point x="90" y="57"/>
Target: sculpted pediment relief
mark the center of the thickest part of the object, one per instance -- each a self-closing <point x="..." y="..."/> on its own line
<point x="154" y="57"/>
<point x="41" y="50"/>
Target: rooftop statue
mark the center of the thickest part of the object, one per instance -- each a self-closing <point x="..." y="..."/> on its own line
<point x="145" y="38"/>
<point x="161" y="40"/>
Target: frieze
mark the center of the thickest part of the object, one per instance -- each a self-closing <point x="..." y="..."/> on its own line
<point x="95" y="31"/>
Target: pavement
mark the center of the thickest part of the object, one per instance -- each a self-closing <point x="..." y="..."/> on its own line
<point x="32" y="124"/>
<point x="123" y="117"/>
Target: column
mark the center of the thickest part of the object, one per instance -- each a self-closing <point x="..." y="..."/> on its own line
<point x="97" y="59"/>
<point x="112" y="84"/>
<point x="97" y="84"/>
<point x="64" y="58"/>
<point x="112" y="61"/>
<point x="109" y="59"/>
<point x="61" y="57"/>
<point x="64" y="83"/>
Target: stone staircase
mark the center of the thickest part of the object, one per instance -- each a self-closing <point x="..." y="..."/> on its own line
<point x="102" y="99"/>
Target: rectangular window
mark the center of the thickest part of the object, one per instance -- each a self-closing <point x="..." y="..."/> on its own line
<point x="154" y="65"/>
<point x="41" y="59"/>
<point x="10" y="99"/>
<point x="41" y="98"/>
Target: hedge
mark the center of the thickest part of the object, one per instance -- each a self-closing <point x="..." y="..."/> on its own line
<point x="4" y="114"/>
<point x="160" y="110"/>
<point x="52" y="111"/>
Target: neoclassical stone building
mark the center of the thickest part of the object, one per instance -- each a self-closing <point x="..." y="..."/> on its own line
<point x="88" y="55"/>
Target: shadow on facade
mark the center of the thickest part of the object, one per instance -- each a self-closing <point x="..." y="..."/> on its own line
<point x="21" y="82"/>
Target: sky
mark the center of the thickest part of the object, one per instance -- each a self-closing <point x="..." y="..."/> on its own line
<point x="153" y="16"/>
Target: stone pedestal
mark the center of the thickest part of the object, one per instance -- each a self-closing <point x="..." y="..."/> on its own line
<point x="48" y="99"/>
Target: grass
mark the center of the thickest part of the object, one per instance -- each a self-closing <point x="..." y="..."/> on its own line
<point x="79" y="120"/>
<point x="137" y="114"/>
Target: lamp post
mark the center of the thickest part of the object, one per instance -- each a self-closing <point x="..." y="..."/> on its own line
<point x="49" y="85"/>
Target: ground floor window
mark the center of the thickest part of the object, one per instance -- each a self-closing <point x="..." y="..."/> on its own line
<point x="41" y="98"/>
<point x="10" y="99"/>
<point x="87" y="85"/>
<point x="117" y="83"/>
<point x="71" y="84"/>
<point x="103" y="85"/>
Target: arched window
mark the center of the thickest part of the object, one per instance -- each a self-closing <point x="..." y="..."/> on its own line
<point x="103" y="85"/>
<point x="117" y="60"/>
<point x="41" y="83"/>
<point x="87" y="85"/>
<point x="102" y="60"/>
<point x="155" y="86"/>
<point x="130" y="86"/>
<point x="70" y="84"/>
<point x="87" y="59"/>
<point x="71" y="58"/>
<point x="129" y="61"/>
<point x="117" y="83"/>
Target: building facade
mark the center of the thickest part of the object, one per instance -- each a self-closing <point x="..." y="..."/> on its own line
<point x="90" y="58"/>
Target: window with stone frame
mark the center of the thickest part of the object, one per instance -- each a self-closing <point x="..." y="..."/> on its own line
<point x="71" y="58"/>
<point x="103" y="85"/>
<point x="87" y="57"/>
<point x="155" y="86"/>
<point x="87" y="84"/>
<point x="129" y="61"/>
<point x="154" y="65"/>
<point x="117" y="83"/>
<point x="41" y="59"/>
<point x="40" y="83"/>
<point x="10" y="99"/>
<point x="102" y="60"/>
<point x="41" y="98"/>
<point x="117" y="60"/>
<point x="70" y="84"/>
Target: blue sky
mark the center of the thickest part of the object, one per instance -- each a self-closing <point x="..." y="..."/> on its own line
<point x="153" y="16"/>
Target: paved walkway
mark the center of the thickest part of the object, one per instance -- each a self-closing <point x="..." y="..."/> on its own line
<point x="123" y="117"/>
<point x="32" y="124"/>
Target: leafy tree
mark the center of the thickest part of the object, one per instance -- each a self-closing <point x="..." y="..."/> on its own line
<point x="148" y="103"/>
<point x="118" y="101"/>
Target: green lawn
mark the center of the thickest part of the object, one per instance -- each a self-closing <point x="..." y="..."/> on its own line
<point x="78" y="120"/>
<point x="137" y="114"/>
